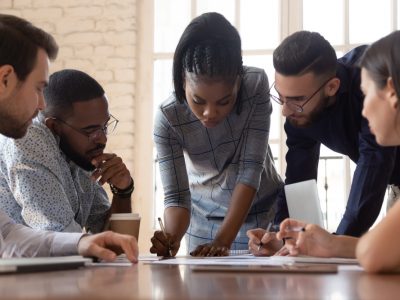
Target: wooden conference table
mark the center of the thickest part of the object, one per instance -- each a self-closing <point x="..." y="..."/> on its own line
<point x="143" y="281"/>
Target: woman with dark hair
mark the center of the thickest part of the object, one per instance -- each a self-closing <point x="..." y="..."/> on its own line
<point x="212" y="143"/>
<point x="378" y="250"/>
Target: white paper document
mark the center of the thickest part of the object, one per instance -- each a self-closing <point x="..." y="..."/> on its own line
<point x="249" y="260"/>
<point x="316" y="260"/>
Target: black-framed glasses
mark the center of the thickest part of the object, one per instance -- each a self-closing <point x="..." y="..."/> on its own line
<point x="290" y="103"/>
<point x="95" y="133"/>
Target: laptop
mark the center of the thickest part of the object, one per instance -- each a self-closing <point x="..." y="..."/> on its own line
<point x="303" y="202"/>
<point x="41" y="264"/>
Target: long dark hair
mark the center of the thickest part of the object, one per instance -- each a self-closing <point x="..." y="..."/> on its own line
<point x="209" y="46"/>
<point x="382" y="60"/>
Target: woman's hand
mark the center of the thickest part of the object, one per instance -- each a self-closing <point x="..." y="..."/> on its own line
<point x="164" y="245"/>
<point x="211" y="249"/>
<point x="306" y="239"/>
<point x="262" y="242"/>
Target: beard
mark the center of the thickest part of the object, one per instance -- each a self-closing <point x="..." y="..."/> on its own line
<point x="80" y="160"/>
<point x="11" y="127"/>
<point x="306" y="121"/>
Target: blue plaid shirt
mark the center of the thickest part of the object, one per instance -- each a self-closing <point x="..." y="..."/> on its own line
<point x="201" y="166"/>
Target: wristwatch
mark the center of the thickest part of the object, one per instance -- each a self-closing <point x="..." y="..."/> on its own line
<point x="123" y="193"/>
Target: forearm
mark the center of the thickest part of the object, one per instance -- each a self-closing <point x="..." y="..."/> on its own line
<point x="121" y="204"/>
<point x="23" y="241"/>
<point x="177" y="221"/>
<point x="241" y="201"/>
<point x="122" y="198"/>
<point x="344" y="246"/>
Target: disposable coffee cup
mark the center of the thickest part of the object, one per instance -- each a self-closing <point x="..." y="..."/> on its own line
<point x="126" y="224"/>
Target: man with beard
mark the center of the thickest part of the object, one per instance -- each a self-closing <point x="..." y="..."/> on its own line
<point x="322" y="103"/>
<point x="25" y="51"/>
<point x="52" y="178"/>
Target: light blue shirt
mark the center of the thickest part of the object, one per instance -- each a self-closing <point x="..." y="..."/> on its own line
<point x="201" y="166"/>
<point x="40" y="188"/>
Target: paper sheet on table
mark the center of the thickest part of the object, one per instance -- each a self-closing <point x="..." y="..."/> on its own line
<point x="249" y="260"/>
<point x="316" y="260"/>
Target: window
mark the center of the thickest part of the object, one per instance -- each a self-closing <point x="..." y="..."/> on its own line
<point x="345" y="24"/>
<point x="263" y="24"/>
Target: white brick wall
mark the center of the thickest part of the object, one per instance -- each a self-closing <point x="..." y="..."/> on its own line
<point x="97" y="37"/>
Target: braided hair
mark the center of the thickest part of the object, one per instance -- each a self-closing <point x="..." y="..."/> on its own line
<point x="210" y="46"/>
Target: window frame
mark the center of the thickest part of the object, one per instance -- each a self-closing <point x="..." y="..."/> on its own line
<point x="290" y="21"/>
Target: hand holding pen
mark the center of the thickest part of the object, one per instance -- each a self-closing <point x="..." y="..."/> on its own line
<point x="163" y="243"/>
<point x="267" y="231"/>
<point x="306" y="239"/>
<point x="165" y="235"/>
<point x="263" y="242"/>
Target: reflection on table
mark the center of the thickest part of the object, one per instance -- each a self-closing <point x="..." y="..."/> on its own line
<point x="145" y="281"/>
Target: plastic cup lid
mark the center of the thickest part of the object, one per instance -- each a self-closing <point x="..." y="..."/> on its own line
<point x="125" y="216"/>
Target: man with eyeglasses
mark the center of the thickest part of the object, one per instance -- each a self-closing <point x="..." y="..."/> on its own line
<point x="25" y="52"/>
<point x="322" y="102"/>
<point x="54" y="175"/>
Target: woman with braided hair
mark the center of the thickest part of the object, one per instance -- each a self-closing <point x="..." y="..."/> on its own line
<point x="211" y="136"/>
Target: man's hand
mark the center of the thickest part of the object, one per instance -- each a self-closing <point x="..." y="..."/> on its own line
<point x="164" y="246"/>
<point x="263" y="243"/>
<point x="111" y="169"/>
<point x="107" y="245"/>
<point x="211" y="249"/>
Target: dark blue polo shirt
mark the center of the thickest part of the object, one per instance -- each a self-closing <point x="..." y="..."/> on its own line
<point x="342" y="128"/>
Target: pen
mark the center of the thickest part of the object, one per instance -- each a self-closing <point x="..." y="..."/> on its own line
<point x="295" y="229"/>
<point x="165" y="234"/>
<point x="267" y="230"/>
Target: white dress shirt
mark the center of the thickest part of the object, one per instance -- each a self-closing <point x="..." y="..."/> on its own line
<point x="17" y="240"/>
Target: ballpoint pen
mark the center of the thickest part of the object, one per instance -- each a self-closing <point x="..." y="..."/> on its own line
<point x="289" y="229"/>
<point x="165" y="235"/>
<point x="267" y="230"/>
<point x="295" y="229"/>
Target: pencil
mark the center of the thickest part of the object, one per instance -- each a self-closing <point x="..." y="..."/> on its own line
<point x="165" y="235"/>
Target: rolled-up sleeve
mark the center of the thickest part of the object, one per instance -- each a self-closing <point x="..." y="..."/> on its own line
<point x="171" y="162"/>
<point x="256" y="135"/>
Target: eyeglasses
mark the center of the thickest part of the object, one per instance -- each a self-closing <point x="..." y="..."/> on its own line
<point x="95" y="133"/>
<point x="289" y="103"/>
